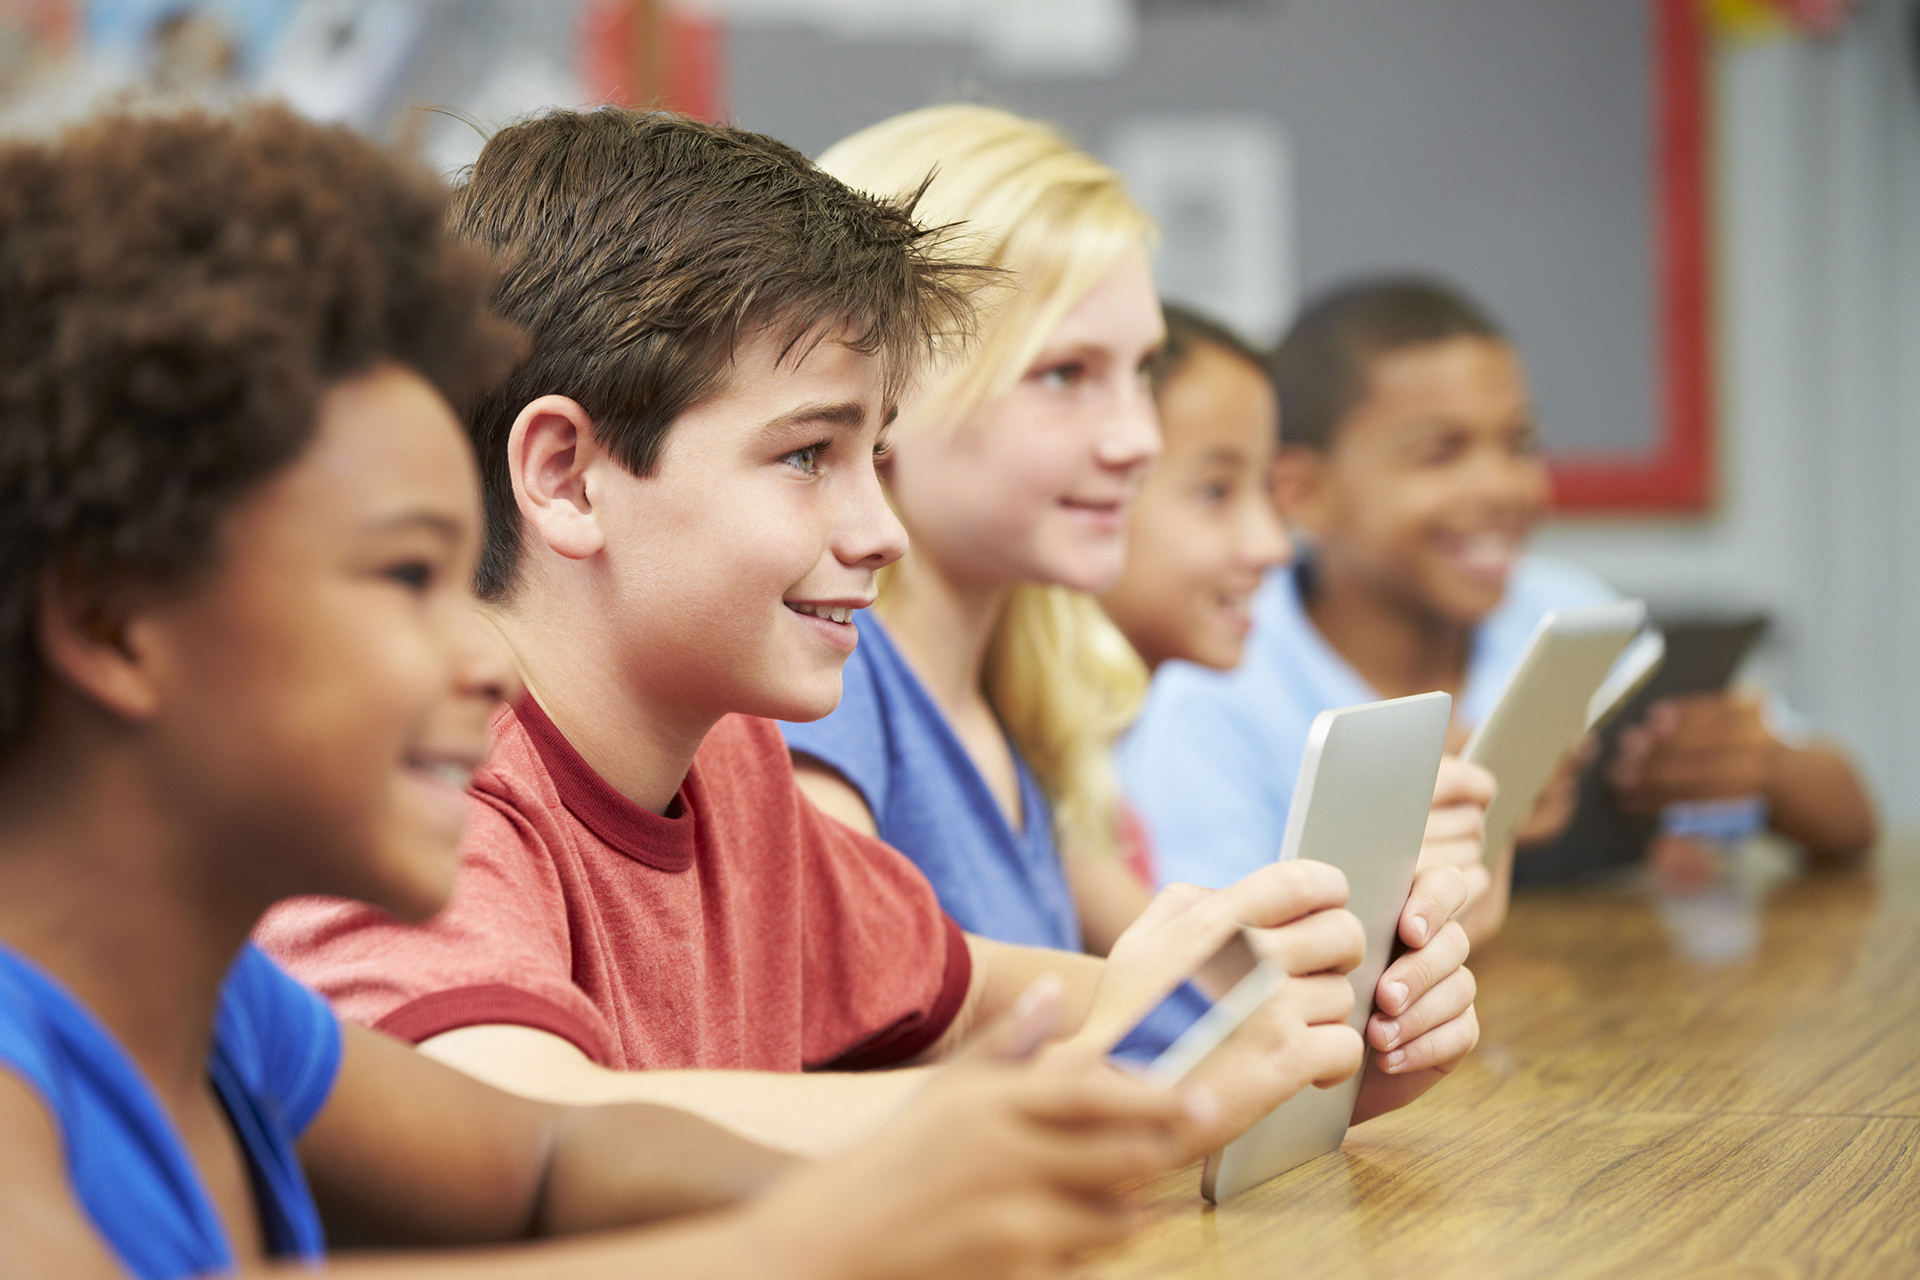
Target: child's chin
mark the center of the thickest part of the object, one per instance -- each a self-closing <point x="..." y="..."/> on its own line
<point x="418" y="901"/>
<point x="418" y="877"/>
<point x="803" y="705"/>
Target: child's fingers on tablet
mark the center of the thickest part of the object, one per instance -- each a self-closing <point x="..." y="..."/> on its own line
<point x="1072" y="1086"/>
<point x="1456" y="822"/>
<point x="1437" y="896"/>
<point x="1283" y="891"/>
<point x="1461" y="782"/>
<point x="1452" y="996"/>
<point x="1331" y="1053"/>
<point x="1093" y="1159"/>
<point x="1418" y="972"/>
<point x="1326" y="941"/>
<point x="1443" y="1046"/>
<point x="1322" y="998"/>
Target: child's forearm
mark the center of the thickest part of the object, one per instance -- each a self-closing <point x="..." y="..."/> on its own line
<point x="718" y="1247"/>
<point x="810" y="1114"/>
<point x="1815" y="797"/>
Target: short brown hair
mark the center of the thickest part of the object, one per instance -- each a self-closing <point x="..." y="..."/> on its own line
<point x="638" y="247"/>
<point x="1321" y="368"/>
<point x="176" y="294"/>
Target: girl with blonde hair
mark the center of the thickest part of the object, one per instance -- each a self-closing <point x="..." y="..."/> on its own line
<point x="981" y="705"/>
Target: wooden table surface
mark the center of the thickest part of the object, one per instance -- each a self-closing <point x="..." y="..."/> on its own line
<point x="1725" y="1085"/>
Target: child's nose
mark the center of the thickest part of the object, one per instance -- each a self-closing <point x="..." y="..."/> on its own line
<point x="1131" y="437"/>
<point x="1266" y="540"/>
<point x="870" y="535"/>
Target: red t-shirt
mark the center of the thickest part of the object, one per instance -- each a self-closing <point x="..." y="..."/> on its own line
<point x="747" y="930"/>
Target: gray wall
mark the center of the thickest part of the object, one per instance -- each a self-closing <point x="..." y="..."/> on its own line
<point x="1544" y="210"/>
<point x="1819" y="258"/>
<point x="1504" y="143"/>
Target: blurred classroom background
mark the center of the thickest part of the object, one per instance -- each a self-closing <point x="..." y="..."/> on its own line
<point x="1700" y="218"/>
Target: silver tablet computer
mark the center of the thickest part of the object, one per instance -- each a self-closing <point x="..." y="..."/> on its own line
<point x="1544" y="707"/>
<point x="1361" y="805"/>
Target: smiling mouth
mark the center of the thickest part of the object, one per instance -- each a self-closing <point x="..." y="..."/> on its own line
<point x="842" y="614"/>
<point x="446" y="773"/>
<point x="1486" y="554"/>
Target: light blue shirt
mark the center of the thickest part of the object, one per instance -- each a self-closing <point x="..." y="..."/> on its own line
<point x="1212" y="761"/>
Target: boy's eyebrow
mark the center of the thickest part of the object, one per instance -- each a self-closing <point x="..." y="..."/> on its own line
<point x="848" y="414"/>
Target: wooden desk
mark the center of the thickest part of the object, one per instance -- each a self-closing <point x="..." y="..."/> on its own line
<point x="1630" y="1112"/>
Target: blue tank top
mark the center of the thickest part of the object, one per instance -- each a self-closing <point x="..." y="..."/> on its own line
<point x="276" y="1050"/>
<point x="889" y="739"/>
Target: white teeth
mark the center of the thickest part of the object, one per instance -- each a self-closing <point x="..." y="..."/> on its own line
<point x="451" y="775"/>
<point x="1490" y="549"/>
<point x="830" y="613"/>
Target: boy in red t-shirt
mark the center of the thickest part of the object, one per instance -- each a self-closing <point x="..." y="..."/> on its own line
<point x="683" y="511"/>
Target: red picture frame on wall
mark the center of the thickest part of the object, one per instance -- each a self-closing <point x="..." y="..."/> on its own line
<point x="1676" y="476"/>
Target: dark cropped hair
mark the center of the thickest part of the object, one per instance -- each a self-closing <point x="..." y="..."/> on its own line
<point x="1322" y="366"/>
<point x="1189" y="330"/>
<point x="176" y="295"/>
<point x="638" y="248"/>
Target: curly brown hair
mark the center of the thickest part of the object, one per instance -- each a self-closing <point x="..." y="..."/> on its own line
<point x="176" y="294"/>
<point x="637" y="247"/>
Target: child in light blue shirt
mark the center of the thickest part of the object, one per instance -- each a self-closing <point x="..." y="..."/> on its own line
<point x="1215" y="755"/>
<point x="1410" y="468"/>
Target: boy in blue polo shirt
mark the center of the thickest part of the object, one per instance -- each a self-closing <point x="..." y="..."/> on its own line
<point x="1410" y="468"/>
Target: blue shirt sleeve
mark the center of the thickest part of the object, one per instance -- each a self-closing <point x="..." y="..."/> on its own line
<point x="1212" y="772"/>
<point x="282" y="1036"/>
<point x="853" y="739"/>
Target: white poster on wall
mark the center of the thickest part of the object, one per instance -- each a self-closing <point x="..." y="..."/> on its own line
<point x="1221" y="187"/>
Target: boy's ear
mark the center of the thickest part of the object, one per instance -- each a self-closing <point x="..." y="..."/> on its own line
<point x="93" y="641"/>
<point x="1300" y="486"/>
<point x="549" y="453"/>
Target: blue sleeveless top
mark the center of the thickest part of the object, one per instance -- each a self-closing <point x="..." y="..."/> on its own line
<point x="276" y="1050"/>
<point x="890" y="740"/>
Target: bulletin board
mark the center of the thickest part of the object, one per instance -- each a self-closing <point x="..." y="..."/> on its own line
<point x="1552" y="156"/>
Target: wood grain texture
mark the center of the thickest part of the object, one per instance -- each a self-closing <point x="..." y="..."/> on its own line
<point x="1631" y="1111"/>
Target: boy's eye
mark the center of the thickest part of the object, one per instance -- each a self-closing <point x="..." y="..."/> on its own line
<point x="806" y="460"/>
<point x="1524" y="442"/>
<point x="1440" y="450"/>
<point x="414" y="575"/>
<point x="882" y="449"/>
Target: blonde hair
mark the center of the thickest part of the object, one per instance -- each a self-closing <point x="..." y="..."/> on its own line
<point x="1022" y="197"/>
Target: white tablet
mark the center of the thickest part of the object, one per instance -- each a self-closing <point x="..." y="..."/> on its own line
<point x="1544" y="707"/>
<point x="1630" y="674"/>
<point x="1361" y="805"/>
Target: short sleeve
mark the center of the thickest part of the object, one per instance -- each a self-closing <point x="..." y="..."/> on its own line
<point x="500" y="953"/>
<point x="886" y="970"/>
<point x="281" y="1036"/>
<point x="1211" y="775"/>
<point x="853" y="740"/>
